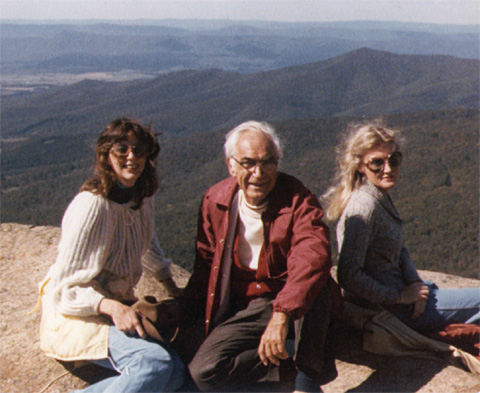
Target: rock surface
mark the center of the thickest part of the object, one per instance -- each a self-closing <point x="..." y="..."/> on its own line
<point x="26" y="252"/>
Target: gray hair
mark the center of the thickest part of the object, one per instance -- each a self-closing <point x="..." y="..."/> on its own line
<point x="262" y="129"/>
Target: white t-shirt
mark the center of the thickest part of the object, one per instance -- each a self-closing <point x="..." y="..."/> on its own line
<point x="250" y="232"/>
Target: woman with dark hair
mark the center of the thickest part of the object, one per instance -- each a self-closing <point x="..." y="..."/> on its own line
<point x="374" y="267"/>
<point x="108" y="237"/>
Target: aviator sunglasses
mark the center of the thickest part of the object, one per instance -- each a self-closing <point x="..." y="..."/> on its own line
<point x="377" y="165"/>
<point x="139" y="150"/>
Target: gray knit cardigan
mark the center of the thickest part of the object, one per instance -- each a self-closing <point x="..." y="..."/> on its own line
<point x="373" y="263"/>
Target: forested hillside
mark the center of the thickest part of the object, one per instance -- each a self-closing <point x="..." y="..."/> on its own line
<point x="437" y="196"/>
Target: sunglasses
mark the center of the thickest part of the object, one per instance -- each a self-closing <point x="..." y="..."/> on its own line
<point x="123" y="149"/>
<point x="377" y="165"/>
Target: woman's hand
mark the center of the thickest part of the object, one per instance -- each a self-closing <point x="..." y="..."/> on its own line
<point x="125" y="319"/>
<point x="418" y="308"/>
<point x="413" y="292"/>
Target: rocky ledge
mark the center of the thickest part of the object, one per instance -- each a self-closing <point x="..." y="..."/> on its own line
<point x="26" y="252"/>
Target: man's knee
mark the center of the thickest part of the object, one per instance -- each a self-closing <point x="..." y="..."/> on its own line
<point x="203" y="373"/>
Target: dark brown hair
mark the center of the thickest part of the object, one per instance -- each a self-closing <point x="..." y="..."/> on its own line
<point x="104" y="178"/>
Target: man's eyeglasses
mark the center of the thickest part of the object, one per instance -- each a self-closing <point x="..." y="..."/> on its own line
<point x="122" y="150"/>
<point x="377" y="165"/>
<point x="268" y="165"/>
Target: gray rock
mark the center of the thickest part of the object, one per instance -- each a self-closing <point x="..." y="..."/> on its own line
<point x="26" y="252"/>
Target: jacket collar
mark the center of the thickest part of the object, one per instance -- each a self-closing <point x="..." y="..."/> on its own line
<point x="223" y="193"/>
<point x="380" y="196"/>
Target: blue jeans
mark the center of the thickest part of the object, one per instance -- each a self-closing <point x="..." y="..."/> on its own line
<point x="143" y="366"/>
<point x="444" y="306"/>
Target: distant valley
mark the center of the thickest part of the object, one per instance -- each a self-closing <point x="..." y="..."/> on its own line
<point x="35" y="55"/>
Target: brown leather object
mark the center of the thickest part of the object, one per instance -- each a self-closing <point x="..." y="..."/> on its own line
<point x="159" y="319"/>
<point x="465" y="336"/>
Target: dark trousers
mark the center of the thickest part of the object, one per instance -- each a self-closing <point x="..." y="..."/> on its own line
<point x="228" y="357"/>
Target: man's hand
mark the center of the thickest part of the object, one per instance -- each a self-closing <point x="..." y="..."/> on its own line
<point x="124" y="317"/>
<point x="272" y="343"/>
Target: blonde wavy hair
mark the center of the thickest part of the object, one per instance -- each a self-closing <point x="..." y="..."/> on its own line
<point x="356" y="142"/>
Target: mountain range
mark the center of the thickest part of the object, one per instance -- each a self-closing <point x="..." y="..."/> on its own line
<point x="359" y="83"/>
<point x="241" y="46"/>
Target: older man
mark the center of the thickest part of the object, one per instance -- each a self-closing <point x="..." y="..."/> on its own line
<point x="261" y="272"/>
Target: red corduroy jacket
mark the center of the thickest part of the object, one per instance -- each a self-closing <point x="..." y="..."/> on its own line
<point x="296" y="243"/>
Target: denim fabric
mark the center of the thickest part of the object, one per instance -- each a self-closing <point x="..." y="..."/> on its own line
<point x="444" y="306"/>
<point x="143" y="366"/>
<point x="305" y="383"/>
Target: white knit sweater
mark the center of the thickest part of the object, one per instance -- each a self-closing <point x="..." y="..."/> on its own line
<point x="101" y="251"/>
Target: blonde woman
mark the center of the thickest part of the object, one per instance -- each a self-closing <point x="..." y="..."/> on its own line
<point x="374" y="267"/>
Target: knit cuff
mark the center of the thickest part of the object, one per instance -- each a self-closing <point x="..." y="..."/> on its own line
<point x="291" y="314"/>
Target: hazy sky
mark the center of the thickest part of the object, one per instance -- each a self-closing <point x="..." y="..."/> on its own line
<point x="432" y="11"/>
